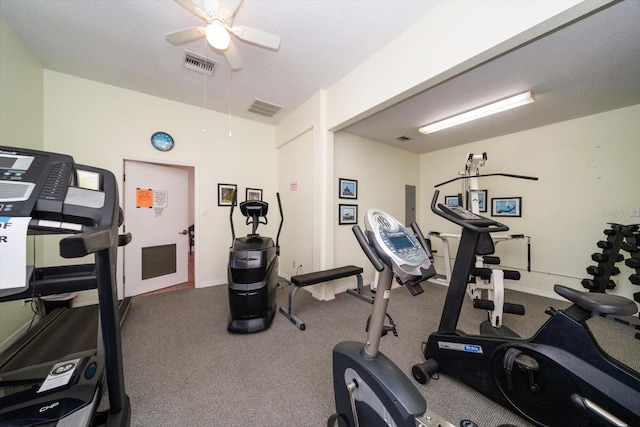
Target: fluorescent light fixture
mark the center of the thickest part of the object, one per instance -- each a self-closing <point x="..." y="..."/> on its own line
<point x="487" y="110"/>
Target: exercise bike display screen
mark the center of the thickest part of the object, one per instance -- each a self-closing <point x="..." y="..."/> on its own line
<point x="400" y="241"/>
<point x="402" y="246"/>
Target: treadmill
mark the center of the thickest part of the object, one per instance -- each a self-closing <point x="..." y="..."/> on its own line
<point x="44" y="382"/>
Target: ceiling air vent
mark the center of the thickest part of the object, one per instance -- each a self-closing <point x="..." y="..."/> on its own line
<point x="199" y="63"/>
<point x="264" y="108"/>
<point x="403" y="138"/>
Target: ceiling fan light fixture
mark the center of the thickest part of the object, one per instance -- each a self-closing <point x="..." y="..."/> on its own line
<point x="217" y="35"/>
<point x="484" y="111"/>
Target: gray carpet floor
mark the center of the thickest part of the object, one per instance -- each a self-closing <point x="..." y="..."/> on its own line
<point x="182" y="368"/>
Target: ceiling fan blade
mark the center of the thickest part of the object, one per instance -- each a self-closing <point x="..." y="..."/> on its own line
<point x="258" y="37"/>
<point x="194" y="7"/>
<point x="185" y="35"/>
<point x="233" y="58"/>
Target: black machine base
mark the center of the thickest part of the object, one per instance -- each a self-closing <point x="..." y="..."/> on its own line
<point x="388" y="391"/>
<point x="248" y="326"/>
<point x="529" y="381"/>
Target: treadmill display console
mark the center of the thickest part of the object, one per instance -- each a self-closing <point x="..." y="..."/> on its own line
<point x="32" y="180"/>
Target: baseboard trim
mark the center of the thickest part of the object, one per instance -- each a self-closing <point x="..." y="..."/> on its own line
<point x="211" y="283"/>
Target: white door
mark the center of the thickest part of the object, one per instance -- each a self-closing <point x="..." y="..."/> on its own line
<point x="156" y="215"/>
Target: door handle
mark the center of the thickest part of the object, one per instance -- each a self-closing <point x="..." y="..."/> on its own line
<point x="183" y="232"/>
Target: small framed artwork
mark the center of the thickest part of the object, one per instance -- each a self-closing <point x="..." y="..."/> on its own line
<point x="226" y="194"/>
<point x="348" y="188"/>
<point x="254" y="194"/>
<point x="348" y="214"/>
<point x="482" y="200"/>
<point x="506" y="206"/>
<point x="452" y="200"/>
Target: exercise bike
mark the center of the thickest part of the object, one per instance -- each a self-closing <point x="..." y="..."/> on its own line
<point x="370" y="390"/>
<point x="486" y="287"/>
<point x="558" y="377"/>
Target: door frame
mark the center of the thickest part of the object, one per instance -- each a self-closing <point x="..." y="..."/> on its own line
<point x="193" y="195"/>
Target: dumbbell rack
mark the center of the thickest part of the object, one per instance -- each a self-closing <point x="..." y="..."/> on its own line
<point x="608" y="258"/>
<point x="632" y="245"/>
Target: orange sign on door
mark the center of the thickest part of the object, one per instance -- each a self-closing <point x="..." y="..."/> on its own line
<point x="144" y="198"/>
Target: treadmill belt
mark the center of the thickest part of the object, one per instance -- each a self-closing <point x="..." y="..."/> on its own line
<point x="74" y="330"/>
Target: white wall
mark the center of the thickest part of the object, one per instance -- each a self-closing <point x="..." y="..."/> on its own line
<point x="100" y="125"/>
<point x="588" y="177"/>
<point x="382" y="173"/>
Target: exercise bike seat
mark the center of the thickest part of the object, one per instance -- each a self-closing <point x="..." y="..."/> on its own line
<point x="598" y="302"/>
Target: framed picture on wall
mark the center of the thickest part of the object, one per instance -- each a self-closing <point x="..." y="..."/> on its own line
<point x="482" y="200"/>
<point x="347" y="214"/>
<point x="254" y="194"/>
<point x="506" y="206"/>
<point x="348" y="188"/>
<point x="226" y="193"/>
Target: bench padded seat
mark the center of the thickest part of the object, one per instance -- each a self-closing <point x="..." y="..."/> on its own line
<point x="316" y="277"/>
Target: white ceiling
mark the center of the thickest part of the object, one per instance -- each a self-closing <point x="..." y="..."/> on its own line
<point x="121" y="43"/>
<point x="588" y="67"/>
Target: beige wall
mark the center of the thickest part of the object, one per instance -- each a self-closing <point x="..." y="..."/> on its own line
<point x="382" y="173"/>
<point x="101" y="125"/>
<point x="296" y="191"/>
<point x="21" y="93"/>
<point x="588" y="177"/>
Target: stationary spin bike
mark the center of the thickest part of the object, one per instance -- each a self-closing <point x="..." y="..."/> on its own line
<point x="370" y="390"/>
<point x="560" y="376"/>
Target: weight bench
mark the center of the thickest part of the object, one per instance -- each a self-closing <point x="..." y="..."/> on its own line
<point x="308" y="279"/>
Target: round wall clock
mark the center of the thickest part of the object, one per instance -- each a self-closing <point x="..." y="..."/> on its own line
<point x="162" y="141"/>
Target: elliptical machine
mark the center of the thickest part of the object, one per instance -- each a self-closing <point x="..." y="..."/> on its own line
<point x="370" y="390"/>
<point x="253" y="271"/>
<point x="558" y="377"/>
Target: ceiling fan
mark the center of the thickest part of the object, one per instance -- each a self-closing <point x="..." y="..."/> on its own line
<point x="219" y="14"/>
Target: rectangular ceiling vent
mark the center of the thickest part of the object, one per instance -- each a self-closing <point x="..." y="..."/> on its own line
<point x="264" y="108"/>
<point x="200" y="64"/>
